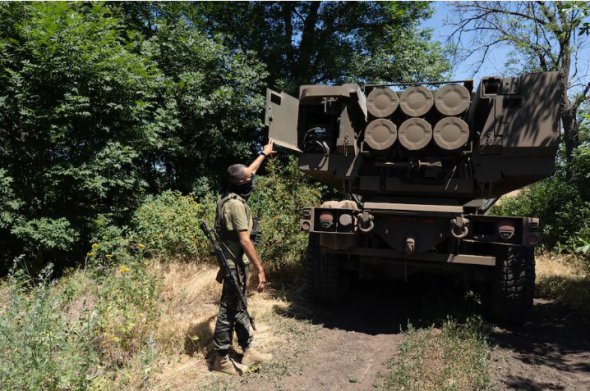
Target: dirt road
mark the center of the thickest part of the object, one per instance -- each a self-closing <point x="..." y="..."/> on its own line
<point x="550" y="352"/>
<point x="350" y="347"/>
<point x="356" y="341"/>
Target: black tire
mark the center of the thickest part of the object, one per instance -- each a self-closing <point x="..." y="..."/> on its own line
<point x="513" y="285"/>
<point x="326" y="283"/>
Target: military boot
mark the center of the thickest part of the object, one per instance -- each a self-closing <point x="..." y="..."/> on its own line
<point x="227" y="365"/>
<point x="253" y="356"/>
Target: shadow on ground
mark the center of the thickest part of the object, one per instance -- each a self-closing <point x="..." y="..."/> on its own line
<point x="550" y="351"/>
<point x="386" y="307"/>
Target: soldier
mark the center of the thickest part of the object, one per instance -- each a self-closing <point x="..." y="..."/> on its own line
<point x="233" y="223"/>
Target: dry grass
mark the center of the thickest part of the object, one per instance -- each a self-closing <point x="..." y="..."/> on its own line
<point x="564" y="278"/>
<point x="4" y="297"/>
<point x="190" y="297"/>
<point x="184" y="333"/>
<point x="171" y="351"/>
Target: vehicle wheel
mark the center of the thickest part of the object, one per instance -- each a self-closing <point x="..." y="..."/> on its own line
<point x="513" y="285"/>
<point x="324" y="278"/>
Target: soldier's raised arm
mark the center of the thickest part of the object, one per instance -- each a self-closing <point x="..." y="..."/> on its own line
<point x="266" y="151"/>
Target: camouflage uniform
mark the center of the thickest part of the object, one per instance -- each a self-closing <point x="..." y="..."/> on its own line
<point x="233" y="215"/>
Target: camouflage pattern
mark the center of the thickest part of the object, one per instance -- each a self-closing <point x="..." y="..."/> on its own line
<point x="232" y="216"/>
<point x="232" y="316"/>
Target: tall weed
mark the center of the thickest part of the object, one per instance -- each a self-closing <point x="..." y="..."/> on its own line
<point x="127" y="308"/>
<point x="39" y="348"/>
<point x="89" y="330"/>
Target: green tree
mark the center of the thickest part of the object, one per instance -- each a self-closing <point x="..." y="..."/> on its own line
<point x="328" y="42"/>
<point x="216" y="98"/>
<point x="73" y="118"/>
<point x="95" y="113"/>
<point x="548" y="37"/>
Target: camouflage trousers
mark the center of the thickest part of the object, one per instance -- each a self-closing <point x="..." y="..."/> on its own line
<point x="232" y="316"/>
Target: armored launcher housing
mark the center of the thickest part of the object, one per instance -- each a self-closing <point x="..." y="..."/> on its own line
<point x="424" y="162"/>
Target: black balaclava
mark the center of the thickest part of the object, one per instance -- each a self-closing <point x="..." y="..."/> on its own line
<point x="244" y="190"/>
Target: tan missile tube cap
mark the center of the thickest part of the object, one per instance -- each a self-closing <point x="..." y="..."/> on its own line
<point x="416" y="101"/>
<point x="382" y="102"/>
<point x="452" y="99"/>
<point x="380" y="134"/>
<point x="451" y="133"/>
<point x="414" y="134"/>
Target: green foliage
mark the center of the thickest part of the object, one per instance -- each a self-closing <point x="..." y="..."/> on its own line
<point x="39" y="235"/>
<point x="127" y="311"/>
<point x="39" y="348"/>
<point x="561" y="202"/>
<point x="9" y="205"/>
<point x="110" y="244"/>
<point x="216" y="99"/>
<point x="410" y="56"/>
<point x="168" y="225"/>
<point x="82" y="332"/>
<point x="279" y="198"/>
<point x="97" y="111"/>
<point x="327" y="42"/>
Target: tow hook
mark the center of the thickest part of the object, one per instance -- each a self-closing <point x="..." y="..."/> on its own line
<point x="410" y="246"/>
<point x="459" y="227"/>
<point x="365" y="222"/>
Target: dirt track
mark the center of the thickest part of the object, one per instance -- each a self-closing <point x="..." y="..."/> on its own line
<point x="349" y="347"/>
<point x="551" y="352"/>
<point x="351" y="350"/>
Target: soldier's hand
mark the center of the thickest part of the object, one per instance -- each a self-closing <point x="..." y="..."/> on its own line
<point x="261" y="281"/>
<point x="268" y="148"/>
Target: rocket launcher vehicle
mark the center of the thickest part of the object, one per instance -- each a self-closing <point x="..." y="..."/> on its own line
<point x="428" y="143"/>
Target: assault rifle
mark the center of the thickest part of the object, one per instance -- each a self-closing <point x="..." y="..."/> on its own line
<point x="214" y="239"/>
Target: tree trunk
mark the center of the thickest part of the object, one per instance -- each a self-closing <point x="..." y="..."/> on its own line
<point x="306" y="47"/>
<point x="571" y="138"/>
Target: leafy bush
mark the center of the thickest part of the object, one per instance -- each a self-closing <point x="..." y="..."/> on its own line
<point x="279" y="198"/>
<point x="110" y="244"/>
<point x="127" y="309"/>
<point x="81" y="332"/>
<point x="168" y="225"/>
<point x="108" y="110"/>
<point x="39" y="348"/>
<point x="46" y="234"/>
<point x="562" y="202"/>
<point x="9" y="205"/>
